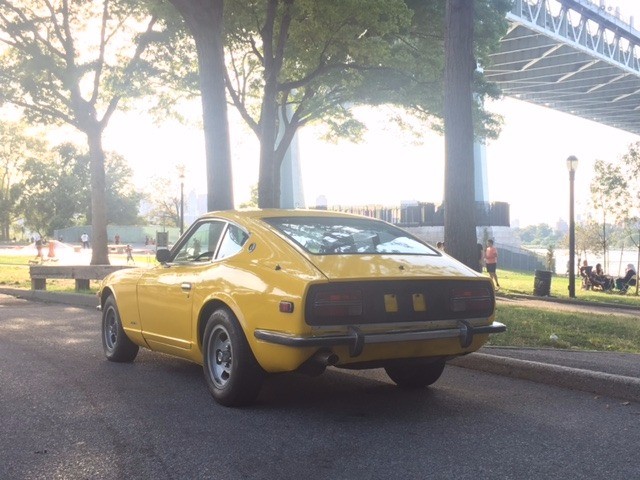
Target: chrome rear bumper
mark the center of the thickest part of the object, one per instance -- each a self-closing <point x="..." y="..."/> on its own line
<point x="356" y="339"/>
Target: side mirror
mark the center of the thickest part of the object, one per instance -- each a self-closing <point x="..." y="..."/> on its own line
<point x="163" y="255"/>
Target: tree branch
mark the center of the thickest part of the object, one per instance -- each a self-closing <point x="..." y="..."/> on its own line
<point x="129" y="69"/>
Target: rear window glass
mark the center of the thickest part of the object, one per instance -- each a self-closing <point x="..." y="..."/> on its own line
<point x="338" y="235"/>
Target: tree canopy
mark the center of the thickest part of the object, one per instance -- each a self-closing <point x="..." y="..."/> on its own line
<point x="608" y="196"/>
<point x="17" y="146"/>
<point x="55" y="193"/>
<point x="75" y="62"/>
<point x="293" y="62"/>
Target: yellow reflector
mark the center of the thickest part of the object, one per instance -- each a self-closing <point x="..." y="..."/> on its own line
<point x="419" y="303"/>
<point x="390" y="303"/>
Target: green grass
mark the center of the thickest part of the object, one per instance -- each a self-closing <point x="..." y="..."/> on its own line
<point x="14" y="273"/>
<point x="530" y="327"/>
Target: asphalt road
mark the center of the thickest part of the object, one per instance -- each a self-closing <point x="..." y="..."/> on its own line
<point x="67" y="413"/>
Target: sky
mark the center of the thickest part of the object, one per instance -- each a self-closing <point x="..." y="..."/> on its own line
<point x="526" y="165"/>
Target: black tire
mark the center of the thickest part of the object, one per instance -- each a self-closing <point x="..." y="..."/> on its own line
<point x="231" y="371"/>
<point x="412" y="375"/>
<point x="116" y="344"/>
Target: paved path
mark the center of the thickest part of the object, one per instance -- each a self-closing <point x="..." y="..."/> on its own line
<point x="570" y="306"/>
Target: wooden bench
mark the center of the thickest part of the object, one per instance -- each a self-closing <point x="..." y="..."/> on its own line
<point x="82" y="274"/>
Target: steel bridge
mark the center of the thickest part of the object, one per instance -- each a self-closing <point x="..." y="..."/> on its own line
<point x="576" y="56"/>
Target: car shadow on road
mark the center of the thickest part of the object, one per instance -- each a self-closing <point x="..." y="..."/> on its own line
<point x="344" y="395"/>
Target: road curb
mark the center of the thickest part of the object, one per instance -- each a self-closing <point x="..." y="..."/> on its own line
<point x="618" y="386"/>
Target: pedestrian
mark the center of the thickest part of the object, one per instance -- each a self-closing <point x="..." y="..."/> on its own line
<point x="129" y="251"/>
<point x="491" y="261"/>
<point x="440" y="246"/>
<point x="38" y="241"/>
<point x="84" y="238"/>
<point x="117" y="238"/>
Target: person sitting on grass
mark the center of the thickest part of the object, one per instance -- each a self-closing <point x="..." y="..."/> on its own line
<point x="585" y="273"/>
<point x="600" y="280"/>
<point x="623" y="283"/>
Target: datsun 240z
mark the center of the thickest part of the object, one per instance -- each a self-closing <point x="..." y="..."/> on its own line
<point x="251" y="293"/>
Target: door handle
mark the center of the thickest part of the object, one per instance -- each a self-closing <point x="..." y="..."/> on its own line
<point x="186" y="287"/>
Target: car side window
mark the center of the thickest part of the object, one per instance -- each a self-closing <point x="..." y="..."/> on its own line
<point x="201" y="245"/>
<point x="233" y="240"/>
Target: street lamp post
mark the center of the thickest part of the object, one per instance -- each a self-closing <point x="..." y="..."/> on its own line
<point x="572" y="165"/>
<point x="181" y="201"/>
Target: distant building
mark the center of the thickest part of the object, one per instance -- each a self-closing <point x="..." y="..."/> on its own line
<point x="561" y="226"/>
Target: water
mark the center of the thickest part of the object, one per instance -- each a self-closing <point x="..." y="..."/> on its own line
<point x="618" y="260"/>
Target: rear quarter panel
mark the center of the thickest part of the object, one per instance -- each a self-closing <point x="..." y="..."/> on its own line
<point x="252" y="284"/>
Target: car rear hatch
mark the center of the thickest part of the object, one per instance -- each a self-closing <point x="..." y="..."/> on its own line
<point x="373" y="289"/>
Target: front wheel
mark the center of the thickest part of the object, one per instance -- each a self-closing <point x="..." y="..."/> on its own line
<point x="117" y="346"/>
<point x="413" y="375"/>
<point x="232" y="373"/>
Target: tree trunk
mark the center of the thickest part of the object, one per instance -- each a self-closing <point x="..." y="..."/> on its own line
<point x="268" y="183"/>
<point x="99" y="245"/>
<point x="204" y="19"/>
<point x="459" y="196"/>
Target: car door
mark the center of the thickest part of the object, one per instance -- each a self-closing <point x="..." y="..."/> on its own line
<point x="165" y="293"/>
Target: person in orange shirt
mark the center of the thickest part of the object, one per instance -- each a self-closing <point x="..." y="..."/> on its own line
<point x="491" y="261"/>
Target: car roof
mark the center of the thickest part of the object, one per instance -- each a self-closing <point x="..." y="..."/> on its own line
<point x="257" y="213"/>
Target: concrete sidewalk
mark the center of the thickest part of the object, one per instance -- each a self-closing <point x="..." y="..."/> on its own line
<point x="601" y="373"/>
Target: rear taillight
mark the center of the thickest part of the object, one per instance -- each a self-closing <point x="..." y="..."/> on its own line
<point x="343" y="303"/>
<point x="471" y="299"/>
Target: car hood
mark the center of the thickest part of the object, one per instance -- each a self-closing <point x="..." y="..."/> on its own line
<point x="352" y="267"/>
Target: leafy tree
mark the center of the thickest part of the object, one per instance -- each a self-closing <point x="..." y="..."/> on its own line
<point x="17" y="145"/>
<point x="307" y="61"/>
<point x="165" y="208"/>
<point x="52" y="192"/>
<point x="123" y="201"/>
<point x="253" y="200"/>
<point x="541" y="235"/>
<point x="75" y="62"/>
<point x="293" y="62"/>
<point x="609" y="195"/>
<point x="55" y="192"/>
<point x="631" y="207"/>
<point x="588" y="239"/>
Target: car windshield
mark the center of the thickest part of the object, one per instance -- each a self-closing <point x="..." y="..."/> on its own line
<point x="341" y="235"/>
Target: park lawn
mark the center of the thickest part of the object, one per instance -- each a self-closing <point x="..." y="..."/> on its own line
<point x="522" y="283"/>
<point x="14" y="273"/>
<point x="530" y="327"/>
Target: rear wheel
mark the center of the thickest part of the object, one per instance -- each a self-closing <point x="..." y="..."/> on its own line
<point x="117" y="346"/>
<point x="232" y="373"/>
<point x="417" y="374"/>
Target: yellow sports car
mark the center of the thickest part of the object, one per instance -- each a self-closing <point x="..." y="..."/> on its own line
<point x="249" y="293"/>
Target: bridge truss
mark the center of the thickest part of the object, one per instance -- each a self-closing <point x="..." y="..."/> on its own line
<point x="574" y="56"/>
